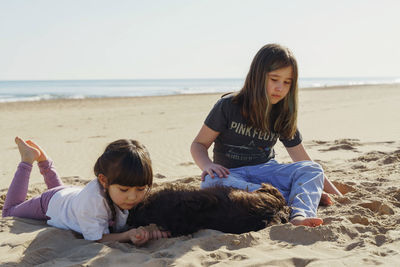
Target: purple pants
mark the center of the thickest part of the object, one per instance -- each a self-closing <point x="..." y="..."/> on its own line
<point x="35" y="208"/>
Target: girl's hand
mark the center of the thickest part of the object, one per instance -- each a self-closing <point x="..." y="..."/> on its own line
<point x="212" y="168"/>
<point x="157" y="234"/>
<point x="139" y="236"/>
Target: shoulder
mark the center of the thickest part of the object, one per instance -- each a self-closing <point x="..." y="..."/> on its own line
<point x="94" y="187"/>
<point x="226" y="102"/>
<point x="92" y="197"/>
<point x="223" y="107"/>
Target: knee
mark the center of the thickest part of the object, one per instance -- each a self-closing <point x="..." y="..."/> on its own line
<point x="309" y="166"/>
<point x="311" y="169"/>
<point x="318" y="170"/>
<point x="316" y="166"/>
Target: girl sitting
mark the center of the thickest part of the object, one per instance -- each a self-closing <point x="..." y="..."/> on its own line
<point x="244" y="128"/>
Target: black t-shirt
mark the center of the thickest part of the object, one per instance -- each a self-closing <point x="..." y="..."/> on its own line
<point x="239" y="144"/>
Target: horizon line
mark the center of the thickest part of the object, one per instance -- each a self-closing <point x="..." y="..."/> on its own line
<point x="163" y="79"/>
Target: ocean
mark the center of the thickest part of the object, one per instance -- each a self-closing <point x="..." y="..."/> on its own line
<point x="12" y="91"/>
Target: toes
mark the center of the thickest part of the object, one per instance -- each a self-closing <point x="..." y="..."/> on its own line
<point x="312" y="222"/>
<point x="18" y="140"/>
<point x="315" y="222"/>
<point x="42" y="154"/>
<point x="31" y="143"/>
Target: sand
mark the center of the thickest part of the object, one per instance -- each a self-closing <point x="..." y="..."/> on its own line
<point x="353" y="132"/>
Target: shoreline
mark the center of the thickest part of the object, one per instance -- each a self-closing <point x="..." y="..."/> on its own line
<point x="350" y="86"/>
<point x="333" y="87"/>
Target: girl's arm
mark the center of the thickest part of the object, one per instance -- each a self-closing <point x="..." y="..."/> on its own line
<point x="199" y="150"/>
<point x="298" y="153"/>
<point x="137" y="236"/>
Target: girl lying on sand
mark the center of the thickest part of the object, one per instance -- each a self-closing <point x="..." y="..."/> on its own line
<point x="99" y="210"/>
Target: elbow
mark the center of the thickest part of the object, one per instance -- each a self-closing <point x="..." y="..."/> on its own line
<point x="193" y="147"/>
<point x="197" y="146"/>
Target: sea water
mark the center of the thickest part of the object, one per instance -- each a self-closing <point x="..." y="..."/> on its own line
<point x="12" y="91"/>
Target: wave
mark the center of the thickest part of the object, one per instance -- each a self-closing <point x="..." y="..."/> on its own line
<point x="30" y="98"/>
<point x="15" y="91"/>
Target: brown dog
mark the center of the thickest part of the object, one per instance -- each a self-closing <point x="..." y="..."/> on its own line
<point x="183" y="210"/>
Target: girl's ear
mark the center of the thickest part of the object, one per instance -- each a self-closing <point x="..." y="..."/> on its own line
<point x="103" y="180"/>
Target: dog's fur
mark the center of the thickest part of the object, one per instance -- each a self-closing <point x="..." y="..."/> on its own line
<point x="183" y="210"/>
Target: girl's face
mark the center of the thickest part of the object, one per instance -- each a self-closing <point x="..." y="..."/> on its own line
<point x="278" y="84"/>
<point x="127" y="197"/>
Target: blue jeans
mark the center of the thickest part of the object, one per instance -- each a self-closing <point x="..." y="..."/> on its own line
<point x="301" y="183"/>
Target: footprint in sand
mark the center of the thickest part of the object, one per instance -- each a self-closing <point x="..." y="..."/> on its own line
<point x="348" y="141"/>
<point x="359" y="219"/>
<point x="396" y="194"/>
<point x="340" y="147"/>
<point x="163" y="254"/>
<point x="218" y="256"/>
<point x="320" y="142"/>
<point x="3" y="198"/>
<point x="342" y="200"/>
<point x="342" y="144"/>
<point x="392" y="158"/>
<point x="74" y="180"/>
<point x="378" y="207"/>
<point x="380" y="240"/>
<point x="343" y="188"/>
<point x="371" y="156"/>
<point x="359" y="166"/>
<point x="97" y="136"/>
<point x="355" y="245"/>
<point x="189" y="180"/>
<point x="159" y="176"/>
<point x="189" y="163"/>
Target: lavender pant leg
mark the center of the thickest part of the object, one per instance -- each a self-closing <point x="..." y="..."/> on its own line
<point x="34" y="208"/>
<point x="49" y="173"/>
<point x="15" y="204"/>
<point x="18" y="189"/>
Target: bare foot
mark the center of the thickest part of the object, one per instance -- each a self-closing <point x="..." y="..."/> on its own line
<point x="28" y="153"/>
<point x="43" y="155"/>
<point x="325" y="200"/>
<point x="312" y="222"/>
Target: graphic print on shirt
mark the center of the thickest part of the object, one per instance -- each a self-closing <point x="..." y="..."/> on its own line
<point x="250" y="131"/>
<point x="249" y="152"/>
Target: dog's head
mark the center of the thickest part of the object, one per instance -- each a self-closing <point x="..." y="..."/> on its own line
<point x="269" y="189"/>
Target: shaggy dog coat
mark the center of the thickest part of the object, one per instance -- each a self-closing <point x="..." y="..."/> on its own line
<point x="184" y="210"/>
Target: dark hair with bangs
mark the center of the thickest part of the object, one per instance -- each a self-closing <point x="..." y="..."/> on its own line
<point x="125" y="162"/>
<point x="253" y="98"/>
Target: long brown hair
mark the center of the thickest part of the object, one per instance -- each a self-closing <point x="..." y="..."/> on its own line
<point x="125" y="162"/>
<point x="253" y="98"/>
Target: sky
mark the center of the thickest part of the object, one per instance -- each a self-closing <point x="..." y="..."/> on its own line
<point x="173" y="39"/>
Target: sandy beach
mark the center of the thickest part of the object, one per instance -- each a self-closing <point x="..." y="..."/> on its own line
<point x="353" y="132"/>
